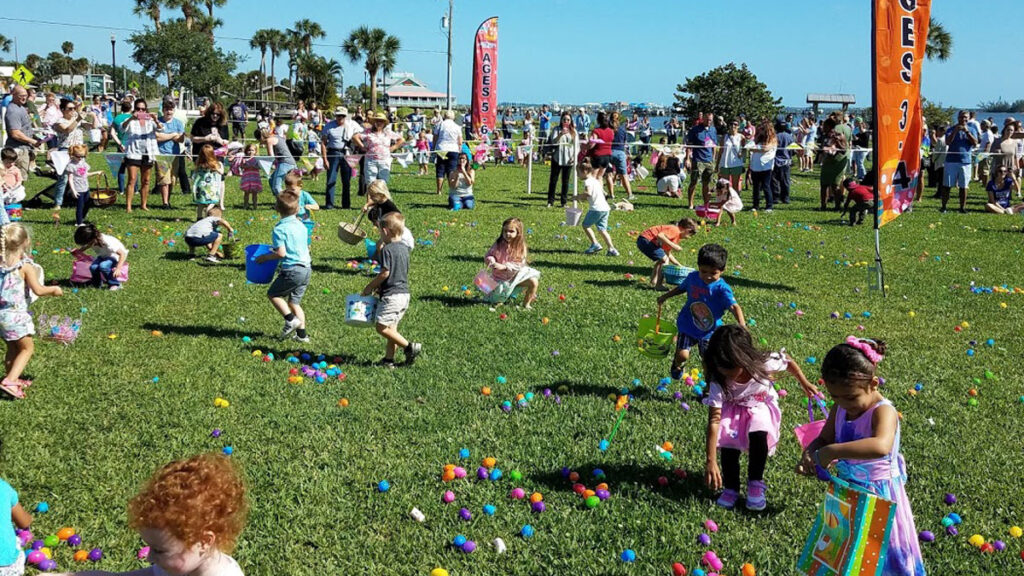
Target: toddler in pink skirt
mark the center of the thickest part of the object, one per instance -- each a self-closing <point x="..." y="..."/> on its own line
<point x="744" y="414"/>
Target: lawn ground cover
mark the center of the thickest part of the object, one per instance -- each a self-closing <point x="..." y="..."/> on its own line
<point x="121" y="401"/>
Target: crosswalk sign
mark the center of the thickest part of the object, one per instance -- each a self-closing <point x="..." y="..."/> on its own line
<point x="134" y="85"/>
<point x="23" y="76"/>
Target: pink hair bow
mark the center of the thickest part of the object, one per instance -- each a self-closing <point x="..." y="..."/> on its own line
<point x="866" y="348"/>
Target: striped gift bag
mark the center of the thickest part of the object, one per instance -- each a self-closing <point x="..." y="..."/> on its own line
<point x="850" y="535"/>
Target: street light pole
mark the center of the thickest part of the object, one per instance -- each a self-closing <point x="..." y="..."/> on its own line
<point x="113" y="61"/>
<point x="448" y="94"/>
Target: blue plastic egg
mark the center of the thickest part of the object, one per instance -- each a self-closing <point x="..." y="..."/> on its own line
<point x="526" y="531"/>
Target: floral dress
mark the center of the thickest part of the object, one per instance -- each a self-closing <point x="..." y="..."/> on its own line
<point x="15" y="320"/>
<point x="207" y="186"/>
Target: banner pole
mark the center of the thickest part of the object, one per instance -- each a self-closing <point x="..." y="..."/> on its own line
<point x="880" y="279"/>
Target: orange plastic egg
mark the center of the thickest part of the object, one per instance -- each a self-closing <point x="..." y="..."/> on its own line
<point x="486" y="390"/>
<point x="601" y="486"/>
<point x="667" y="446"/>
<point x="536" y="497"/>
<point x="489" y="462"/>
<point x="449" y="467"/>
<point x="448" y="476"/>
<point x="574" y="477"/>
<point x="81" y="556"/>
<point x="748" y="570"/>
<point x="343" y="402"/>
<point x="64" y="533"/>
<point x="588" y="493"/>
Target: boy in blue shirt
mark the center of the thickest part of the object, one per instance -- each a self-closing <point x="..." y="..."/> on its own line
<point x="290" y="245"/>
<point x="708" y="296"/>
<point x="293" y="182"/>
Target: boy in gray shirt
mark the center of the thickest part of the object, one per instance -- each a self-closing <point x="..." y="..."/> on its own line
<point x="393" y="285"/>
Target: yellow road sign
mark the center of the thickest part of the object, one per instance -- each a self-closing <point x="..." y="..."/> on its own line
<point x="23" y="76"/>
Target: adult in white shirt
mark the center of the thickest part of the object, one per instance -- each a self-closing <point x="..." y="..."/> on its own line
<point x="336" y="138"/>
<point x="447" y="144"/>
<point x="984" y="147"/>
<point x="730" y="164"/>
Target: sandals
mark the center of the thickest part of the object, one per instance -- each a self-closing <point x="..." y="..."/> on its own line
<point x="13" y="389"/>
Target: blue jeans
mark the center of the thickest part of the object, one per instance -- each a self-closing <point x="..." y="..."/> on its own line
<point x="858" y="163"/>
<point x="457" y="203"/>
<point x="277" y="178"/>
<point x="102" y="269"/>
<point x="138" y="182"/>
<point x="336" y="163"/>
<point x="82" y="209"/>
<point x="62" y="185"/>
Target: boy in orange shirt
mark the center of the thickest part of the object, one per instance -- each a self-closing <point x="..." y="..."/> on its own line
<point x="658" y="242"/>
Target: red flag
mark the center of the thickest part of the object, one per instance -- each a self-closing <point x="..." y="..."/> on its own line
<point x="484" y="110"/>
<point x="900" y="35"/>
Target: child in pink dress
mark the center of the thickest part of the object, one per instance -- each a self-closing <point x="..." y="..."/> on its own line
<point x="248" y="167"/>
<point x="863" y="433"/>
<point x="743" y="414"/>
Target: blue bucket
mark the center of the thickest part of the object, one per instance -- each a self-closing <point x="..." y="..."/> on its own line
<point x="309" y="229"/>
<point x="371" y="248"/>
<point x="675" y="275"/>
<point x="259" y="273"/>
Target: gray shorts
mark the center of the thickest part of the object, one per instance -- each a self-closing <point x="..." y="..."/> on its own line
<point x="391" y="309"/>
<point x="290" y="283"/>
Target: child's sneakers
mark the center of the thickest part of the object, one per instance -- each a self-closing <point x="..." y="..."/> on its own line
<point x="412" y="350"/>
<point x="757" y="495"/>
<point x="613" y="252"/>
<point x="728" y="499"/>
<point x="303" y="339"/>
<point x="676" y="372"/>
<point x="387" y="363"/>
<point x="115" y="288"/>
<point x="594" y="248"/>
<point x="212" y="258"/>
<point x="289" y="327"/>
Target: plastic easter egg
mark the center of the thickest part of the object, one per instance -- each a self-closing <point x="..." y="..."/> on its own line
<point x="35" y="557"/>
<point x="496" y="474"/>
<point x="603" y="445"/>
<point x="955" y="518"/>
<point x="64" y="533"/>
<point x="515" y="475"/>
<point x="438" y="572"/>
<point x="81" y="556"/>
<point x="42" y="508"/>
<point x="536" y="497"/>
<point x="48" y="565"/>
<point x="51" y="541"/>
<point x="459" y="472"/>
<point x="489" y="509"/>
<point x="704" y="540"/>
<point x="459" y="541"/>
<point x="482" y="473"/>
<point x="925" y="536"/>
<point x="448" y="497"/>
<point x="628" y="556"/>
<point x="489" y="462"/>
<point x="999" y="545"/>
<point x="710" y="526"/>
<point x="465" y="514"/>
<point x="602" y="494"/>
<point x="748" y="570"/>
<point x="383" y="486"/>
<point x="74" y="540"/>
<point x="95" y="555"/>
<point x="1016" y="531"/>
<point x="469" y="547"/>
<point x="976" y="540"/>
<point x="143" y="553"/>
<point x="526" y="531"/>
<point x="678" y="569"/>
<point x="517" y="494"/>
<point x="538" y="507"/>
<point x="592" y="502"/>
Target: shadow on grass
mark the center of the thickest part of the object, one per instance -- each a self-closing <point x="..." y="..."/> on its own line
<point x="339" y="359"/>
<point x="592" y="265"/>
<point x="622" y="282"/>
<point x="750" y="283"/>
<point x="452" y="301"/>
<point x="574" y="388"/>
<point x="622" y="479"/>
<point x="195" y="330"/>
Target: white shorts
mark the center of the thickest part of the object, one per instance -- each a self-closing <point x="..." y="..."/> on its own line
<point x="956" y="175"/>
<point x="668" y="184"/>
<point x="391" y="309"/>
<point x="16" y="569"/>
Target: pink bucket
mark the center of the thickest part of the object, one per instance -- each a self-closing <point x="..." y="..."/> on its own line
<point x="707" y="212"/>
<point x="485" y="282"/>
<point x="807" y="433"/>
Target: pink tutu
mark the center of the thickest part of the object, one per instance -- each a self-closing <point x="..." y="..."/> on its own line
<point x="739" y="420"/>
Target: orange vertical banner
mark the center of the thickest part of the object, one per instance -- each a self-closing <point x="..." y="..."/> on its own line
<point x="900" y="34"/>
<point x="484" y="108"/>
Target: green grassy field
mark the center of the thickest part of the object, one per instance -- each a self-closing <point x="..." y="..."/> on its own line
<point x="97" y="424"/>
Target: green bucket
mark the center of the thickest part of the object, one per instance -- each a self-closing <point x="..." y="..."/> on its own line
<point x="655" y="339"/>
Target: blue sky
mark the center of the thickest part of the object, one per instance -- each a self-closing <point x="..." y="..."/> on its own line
<point x="577" y="51"/>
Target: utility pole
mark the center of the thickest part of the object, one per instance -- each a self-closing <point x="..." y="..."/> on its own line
<point x="113" y="62"/>
<point x="448" y="93"/>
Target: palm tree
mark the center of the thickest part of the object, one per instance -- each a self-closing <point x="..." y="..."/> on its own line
<point x="207" y="25"/>
<point x="260" y="41"/>
<point x="210" y="5"/>
<point x="5" y="43"/>
<point x="306" y="31"/>
<point x="276" y="43"/>
<point x="188" y="8"/>
<point x="940" y="42"/>
<point x="149" y="9"/>
<point x="293" y="44"/>
<point x="67" y="48"/>
<point x="377" y="49"/>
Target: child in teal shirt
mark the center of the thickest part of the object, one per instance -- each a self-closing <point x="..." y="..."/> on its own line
<point x="12" y="559"/>
<point x="290" y="245"/>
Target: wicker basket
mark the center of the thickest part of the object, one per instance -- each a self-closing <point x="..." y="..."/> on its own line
<point x="103" y="195"/>
<point x="351" y="234"/>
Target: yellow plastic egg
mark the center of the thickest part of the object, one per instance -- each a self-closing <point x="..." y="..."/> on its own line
<point x="965" y="324"/>
<point x="912" y="313"/>
<point x="1016" y="532"/>
<point x="47" y="552"/>
<point x="977" y="540"/>
<point x="438" y="572"/>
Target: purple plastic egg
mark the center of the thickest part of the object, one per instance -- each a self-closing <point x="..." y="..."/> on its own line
<point x="465" y="514"/>
<point x="48" y="565"/>
<point x="37" y="544"/>
<point x="566" y="471"/>
<point x="678" y="395"/>
<point x="704" y="540"/>
<point x="506" y="407"/>
<point x="926" y="536"/>
<point x="75" y="540"/>
<point x="950" y="499"/>
<point x="482" y="473"/>
<point x="469" y="547"/>
<point x="95" y="554"/>
<point x="952" y="531"/>
<point x="547" y="392"/>
<point x="999" y="545"/>
<point x="538" y="507"/>
<point x="603" y="494"/>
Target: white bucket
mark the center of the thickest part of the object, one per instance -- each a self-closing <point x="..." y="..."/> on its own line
<point x="360" y="310"/>
<point x="572" y="216"/>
